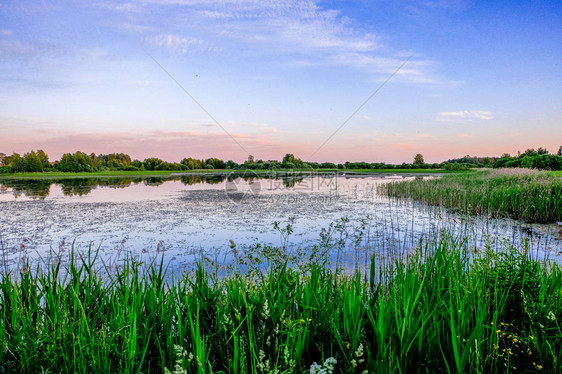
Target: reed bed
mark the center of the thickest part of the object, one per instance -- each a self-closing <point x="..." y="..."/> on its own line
<point x="447" y="308"/>
<point x="528" y="195"/>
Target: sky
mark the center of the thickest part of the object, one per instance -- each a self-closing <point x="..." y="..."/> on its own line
<point x="332" y="80"/>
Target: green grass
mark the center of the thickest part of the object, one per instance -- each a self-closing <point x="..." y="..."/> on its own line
<point x="447" y="309"/>
<point x="557" y="173"/>
<point x="524" y="194"/>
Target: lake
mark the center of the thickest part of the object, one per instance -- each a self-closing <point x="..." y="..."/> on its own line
<point x="186" y="216"/>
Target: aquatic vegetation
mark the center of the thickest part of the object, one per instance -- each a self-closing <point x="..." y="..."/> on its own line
<point x="524" y="194"/>
<point x="448" y="307"/>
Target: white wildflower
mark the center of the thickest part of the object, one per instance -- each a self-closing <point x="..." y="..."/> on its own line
<point x="330" y="363"/>
<point x="328" y="367"/>
<point x="359" y="351"/>
<point x="315" y="368"/>
<point x="180" y="354"/>
<point x="265" y="313"/>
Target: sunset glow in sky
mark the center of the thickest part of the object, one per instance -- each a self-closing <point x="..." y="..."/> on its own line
<point x="268" y="77"/>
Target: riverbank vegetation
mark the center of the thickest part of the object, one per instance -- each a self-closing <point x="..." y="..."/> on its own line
<point x="447" y="308"/>
<point x="80" y="162"/>
<point x="529" y="195"/>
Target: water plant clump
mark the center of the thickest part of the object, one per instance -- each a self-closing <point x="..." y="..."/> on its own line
<point x="444" y="309"/>
<point x="528" y="195"/>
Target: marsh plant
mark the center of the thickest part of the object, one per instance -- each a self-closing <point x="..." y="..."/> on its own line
<point x="528" y="195"/>
<point x="445" y="308"/>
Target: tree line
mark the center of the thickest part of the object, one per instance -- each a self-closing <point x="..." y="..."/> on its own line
<point x="38" y="161"/>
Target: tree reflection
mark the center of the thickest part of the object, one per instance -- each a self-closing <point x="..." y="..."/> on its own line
<point x="40" y="188"/>
<point x="34" y="188"/>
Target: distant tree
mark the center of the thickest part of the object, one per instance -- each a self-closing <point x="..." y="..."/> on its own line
<point x="418" y="159"/>
<point x="118" y="161"/>
<point x="231" y="164"/>
<point x="542" y="151"/>
<point x="15" y="162"/>
<point x="32" y="162"/>
<point x="3" y="156"/>
<point x="192" y="163"/>
<point x="215" y="163"/>
<point x="44" y="159"/>
<point x="487" y="162"/>
<point x="152" y="163"/>
<point x="76" y="162"/>
<point x="289" y="157"/>
<point x="559" y="151"/>
<point x="250" y="160"/>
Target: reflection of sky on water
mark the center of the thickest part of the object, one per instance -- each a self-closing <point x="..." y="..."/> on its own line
<point x="182" y="220"/>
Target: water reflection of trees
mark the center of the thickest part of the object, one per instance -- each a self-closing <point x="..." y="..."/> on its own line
<point x="290" y="182"/>
<point x="40" y="188"/>
<point x="196" y="179"/>
<point x="154" y="181"/>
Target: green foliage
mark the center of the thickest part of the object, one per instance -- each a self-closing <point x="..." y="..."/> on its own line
<point x="13" y="163"/>
<point x="192" y="163"/>
<point x="533" y="159"/>
<point x="418" y="159"/>
<point x="457" y="166"/>
<point x="157" y="164"/>
<point x="449" y="308"/>
<point x="215" y="163"/>
<point x="32" y="162"/>
<point x="76" y="162"/>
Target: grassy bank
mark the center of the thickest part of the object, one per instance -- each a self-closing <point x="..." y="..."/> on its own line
<point x="529" y="195"/>
<point x="168" y="173"/>
<point x="446" y="310"/>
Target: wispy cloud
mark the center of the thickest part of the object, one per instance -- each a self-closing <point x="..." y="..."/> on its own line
<point x="298" y="33"/>
<point x="119" y="6"/>
<point x="429" y="9"/>
<point x="175" y="43"/>
<point x="465" y="115"/>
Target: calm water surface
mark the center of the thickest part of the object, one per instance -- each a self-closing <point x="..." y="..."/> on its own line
<point x="184" y="217"/>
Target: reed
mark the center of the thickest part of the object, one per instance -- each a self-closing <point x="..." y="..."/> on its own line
<point x="529" y="195"/>
<point x="447" y="308"/>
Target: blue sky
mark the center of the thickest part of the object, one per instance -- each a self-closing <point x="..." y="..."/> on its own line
<point x="270" y="77"/>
